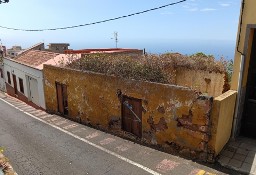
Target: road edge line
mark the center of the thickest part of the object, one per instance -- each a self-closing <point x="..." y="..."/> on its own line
<point x="88" y="142"/>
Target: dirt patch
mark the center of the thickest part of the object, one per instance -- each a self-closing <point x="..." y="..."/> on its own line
<point x="5" y="164"/>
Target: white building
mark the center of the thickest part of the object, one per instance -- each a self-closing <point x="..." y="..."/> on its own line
<point x="24" y="76"/>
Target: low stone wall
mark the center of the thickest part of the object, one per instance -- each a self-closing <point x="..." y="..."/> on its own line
<point x="174" y="118"/>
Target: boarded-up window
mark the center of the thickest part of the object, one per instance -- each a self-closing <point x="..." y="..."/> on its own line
<point x="21" y="85"/>
<point x="9" y="77"/>
<point x="1" y="73"/>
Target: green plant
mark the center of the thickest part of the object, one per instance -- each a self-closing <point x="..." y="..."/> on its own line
<point x="229" y="69"/>
<point x="1" y="149"/>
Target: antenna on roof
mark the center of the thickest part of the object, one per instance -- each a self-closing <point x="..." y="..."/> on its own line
<point x="115" y="38"/>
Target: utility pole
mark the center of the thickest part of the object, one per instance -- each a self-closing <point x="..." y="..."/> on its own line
<point x="115" y="38"/>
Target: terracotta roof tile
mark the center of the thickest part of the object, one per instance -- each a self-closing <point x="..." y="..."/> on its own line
<point x="35" y="58"/>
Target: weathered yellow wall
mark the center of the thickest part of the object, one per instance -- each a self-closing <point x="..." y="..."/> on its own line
<point x="222" y="120"/>
<point x="173" y="116"/>
<point x="209" y="83"/>
<point x="249" y="17"/>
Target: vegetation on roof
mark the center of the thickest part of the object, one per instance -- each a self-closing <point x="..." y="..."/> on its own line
<point x="150" y="67"/>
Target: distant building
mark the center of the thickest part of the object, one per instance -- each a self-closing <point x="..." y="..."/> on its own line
<point x="39" y="46"/>
<point x="2" y="51"/>
<point x="2" y="80"/>
<point x="53" y="47"/>
<point x="58" y="47"/>
<point x="14" y="51"/>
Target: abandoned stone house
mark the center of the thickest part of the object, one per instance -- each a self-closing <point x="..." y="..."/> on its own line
<point x="174" y="117"/>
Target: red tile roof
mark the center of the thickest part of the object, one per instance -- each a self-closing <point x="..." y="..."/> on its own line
<point x="35" y="58"/>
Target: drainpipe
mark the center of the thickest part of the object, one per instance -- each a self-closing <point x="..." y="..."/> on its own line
<point x="240" y="82"/>
<point x="240" y="76"/>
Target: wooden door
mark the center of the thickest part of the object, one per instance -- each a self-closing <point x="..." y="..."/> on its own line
<point x="15" y="84"/>
<point x="132" y="115"/>
<point x="62" y="98"/>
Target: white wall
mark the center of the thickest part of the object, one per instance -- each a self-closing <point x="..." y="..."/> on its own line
<point x="2" y="80"/>
<point x="22" y="71"/>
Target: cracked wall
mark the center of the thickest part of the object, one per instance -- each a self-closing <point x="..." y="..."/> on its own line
<point x="174" y="118"/>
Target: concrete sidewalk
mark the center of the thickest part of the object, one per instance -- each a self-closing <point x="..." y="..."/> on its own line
<point x="240" y="155"/>
<point x="155" y="160"/>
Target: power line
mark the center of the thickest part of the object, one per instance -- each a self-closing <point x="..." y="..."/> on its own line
<point x="93" y="23"/>
<point x="4" y="1"/>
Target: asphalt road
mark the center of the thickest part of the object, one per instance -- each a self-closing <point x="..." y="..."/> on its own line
<point x="38" y="143"/>
<point x="37" y="148"/>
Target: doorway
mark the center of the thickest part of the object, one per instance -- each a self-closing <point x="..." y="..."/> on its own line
<point x="248" y="127"/>
<point x="132" y="115"/>
<point x="33" y="90"/>
<point x="62" y="98"/>
<point x="15" y="84"/>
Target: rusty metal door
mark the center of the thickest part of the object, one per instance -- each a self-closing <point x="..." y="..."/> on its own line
<point x="132" y="115"/>
<point x="62" y="98"/>
<point x="15" y="84"/>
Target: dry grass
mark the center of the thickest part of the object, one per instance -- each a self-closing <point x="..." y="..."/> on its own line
<point x="154" y="68"/>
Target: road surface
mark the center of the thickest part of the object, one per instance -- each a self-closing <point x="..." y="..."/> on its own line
<point x="39" y="143"/>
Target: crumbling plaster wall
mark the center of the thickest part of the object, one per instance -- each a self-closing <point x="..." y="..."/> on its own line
<point x="210" y="83"/>
<point x="173" y="117"/>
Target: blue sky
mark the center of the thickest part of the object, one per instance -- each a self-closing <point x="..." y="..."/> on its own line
<point x="193" y="26"/>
